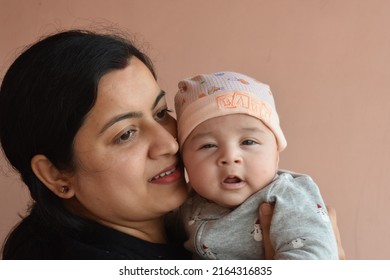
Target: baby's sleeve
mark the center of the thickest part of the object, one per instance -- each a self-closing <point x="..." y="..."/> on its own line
<point x="301" y="228"/>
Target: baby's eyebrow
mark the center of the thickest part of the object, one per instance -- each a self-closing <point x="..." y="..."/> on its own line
<point x="253" y="129"/>
<point x="200" y="135"/>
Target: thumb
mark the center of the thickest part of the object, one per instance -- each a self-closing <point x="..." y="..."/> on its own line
<point x="266" y="211"/>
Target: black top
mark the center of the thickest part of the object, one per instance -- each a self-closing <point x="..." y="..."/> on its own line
<point x="96" y="242"/>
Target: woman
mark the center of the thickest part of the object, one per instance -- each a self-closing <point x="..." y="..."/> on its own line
<point x="86" y="125"/>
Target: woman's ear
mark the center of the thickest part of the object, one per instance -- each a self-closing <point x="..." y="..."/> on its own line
<point x="55" y="180"/>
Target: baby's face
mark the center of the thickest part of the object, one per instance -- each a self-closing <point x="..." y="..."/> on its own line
<point x="229" y="158"/>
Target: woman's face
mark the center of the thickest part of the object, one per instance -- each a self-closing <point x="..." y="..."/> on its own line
<point x="126" y="158"/>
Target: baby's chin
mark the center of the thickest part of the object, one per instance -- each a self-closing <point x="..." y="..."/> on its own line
<point x="231" y="203"/>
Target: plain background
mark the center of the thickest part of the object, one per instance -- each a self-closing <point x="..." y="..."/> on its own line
<point x="328" y="64"/>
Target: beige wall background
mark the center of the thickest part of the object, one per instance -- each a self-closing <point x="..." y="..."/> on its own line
<point x="328" y="64"/>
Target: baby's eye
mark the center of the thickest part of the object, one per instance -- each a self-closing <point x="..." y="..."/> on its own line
<point x="249" y="142"/>
<point x="208" y="146"/>
<point x="125" y="137"/>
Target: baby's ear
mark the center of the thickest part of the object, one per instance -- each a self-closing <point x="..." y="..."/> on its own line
<point x="277" y="160"/>
<point x="51" y="177"/>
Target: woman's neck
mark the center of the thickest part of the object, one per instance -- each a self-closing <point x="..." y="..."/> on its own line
<point x="151" y="230"/>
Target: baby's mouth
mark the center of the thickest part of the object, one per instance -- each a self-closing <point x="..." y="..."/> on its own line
<point x="232" y="180"/>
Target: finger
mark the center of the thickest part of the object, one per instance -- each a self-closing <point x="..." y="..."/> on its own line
<point x="265" y="213"/>
<point x="333" y="218"/>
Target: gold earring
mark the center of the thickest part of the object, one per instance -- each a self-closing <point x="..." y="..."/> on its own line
<point x="64" y="189"/>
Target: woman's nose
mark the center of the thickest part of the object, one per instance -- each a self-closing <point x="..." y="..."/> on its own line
<point x="162" y="142"/>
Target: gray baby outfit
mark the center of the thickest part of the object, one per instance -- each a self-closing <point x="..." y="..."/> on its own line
<point x="300" y="228"/>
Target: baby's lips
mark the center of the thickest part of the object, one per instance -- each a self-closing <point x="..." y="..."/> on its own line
<point x="232" y="180"/>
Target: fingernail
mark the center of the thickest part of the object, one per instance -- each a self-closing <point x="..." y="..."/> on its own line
<point x="266" y="209"/>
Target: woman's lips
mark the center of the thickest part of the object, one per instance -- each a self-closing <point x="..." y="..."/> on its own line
<point x="168" y="175"/>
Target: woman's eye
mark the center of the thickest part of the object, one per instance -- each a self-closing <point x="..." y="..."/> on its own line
<point x="126" y="136"/>
<point x="161" y="115"/>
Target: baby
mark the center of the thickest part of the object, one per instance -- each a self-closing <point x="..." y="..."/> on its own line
<point x="230" y="139"/>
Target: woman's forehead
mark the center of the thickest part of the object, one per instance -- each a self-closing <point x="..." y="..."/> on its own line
<point x="133" y="87"/>
<point x="129" y="91"/>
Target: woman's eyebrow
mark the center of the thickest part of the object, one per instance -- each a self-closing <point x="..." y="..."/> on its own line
<point x="120" y="117"/>
<point x="158" y="98"/>
<point x="130" y="115"/>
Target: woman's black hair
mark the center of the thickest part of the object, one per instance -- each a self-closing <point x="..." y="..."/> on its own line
<point x="44" y="99"/>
